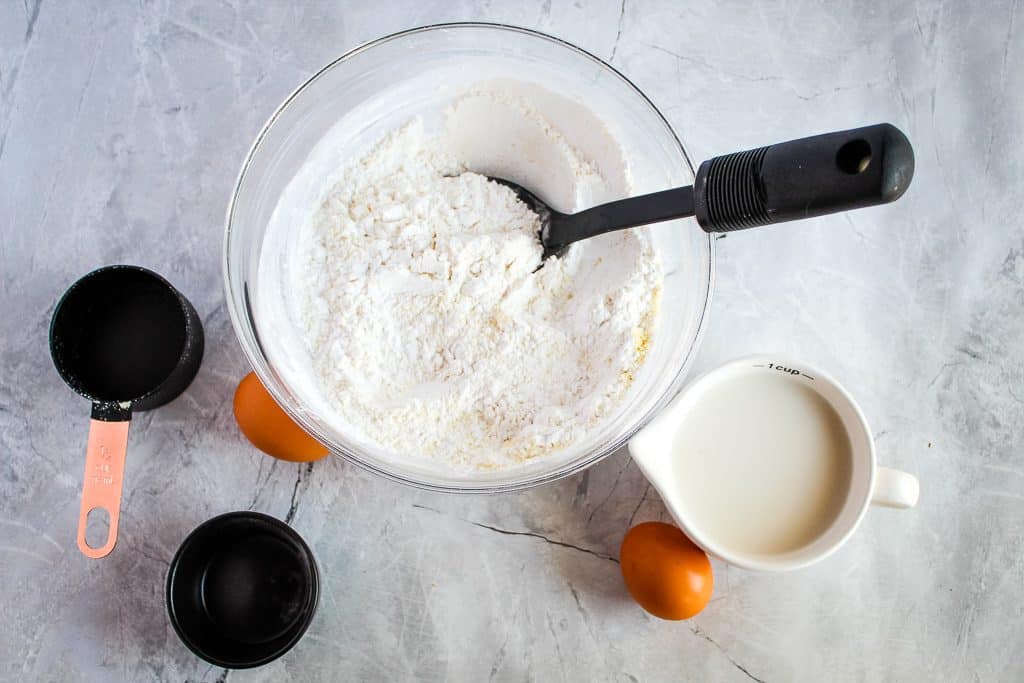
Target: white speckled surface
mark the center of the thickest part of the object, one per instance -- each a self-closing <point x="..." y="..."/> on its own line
<point x="122" y="126"/>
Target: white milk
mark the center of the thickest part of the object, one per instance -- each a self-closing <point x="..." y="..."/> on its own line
<point x="762" y="463"/>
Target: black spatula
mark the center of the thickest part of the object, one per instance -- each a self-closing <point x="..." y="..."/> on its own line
<point x="786" y="181"/>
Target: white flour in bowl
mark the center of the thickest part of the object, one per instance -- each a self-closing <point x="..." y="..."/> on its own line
<point x="429" y="331"/>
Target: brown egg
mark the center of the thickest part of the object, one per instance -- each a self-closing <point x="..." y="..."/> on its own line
<point x="269" y="428"/>
<point x="665" y="572"/>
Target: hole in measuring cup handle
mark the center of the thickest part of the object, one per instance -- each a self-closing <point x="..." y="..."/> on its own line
<point x="97" y="528"/>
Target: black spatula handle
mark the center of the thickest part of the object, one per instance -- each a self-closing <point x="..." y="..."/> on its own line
<point x="802" y="178"/>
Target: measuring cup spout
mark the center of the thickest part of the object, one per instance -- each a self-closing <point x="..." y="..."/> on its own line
<point x="651" y="449"/>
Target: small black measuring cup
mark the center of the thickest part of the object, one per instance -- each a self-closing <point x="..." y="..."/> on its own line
<point x="242" y="589"/>
<point x="127" y="340"/>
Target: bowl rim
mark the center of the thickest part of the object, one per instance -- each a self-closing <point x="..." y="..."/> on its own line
<point x="265" y="373"/>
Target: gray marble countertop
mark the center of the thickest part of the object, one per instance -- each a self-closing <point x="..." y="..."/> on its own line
<point x="122" y="127"/>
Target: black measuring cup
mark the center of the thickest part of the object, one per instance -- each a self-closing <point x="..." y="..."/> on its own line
<point x="126" y="339"/>
<point x="242" y="589"/>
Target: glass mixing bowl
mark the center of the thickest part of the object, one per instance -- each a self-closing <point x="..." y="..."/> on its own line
<point x="379" y="86"/>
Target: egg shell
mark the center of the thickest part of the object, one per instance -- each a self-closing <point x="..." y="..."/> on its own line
<point x="665" y="572"/>
<point x="269" y="428"/>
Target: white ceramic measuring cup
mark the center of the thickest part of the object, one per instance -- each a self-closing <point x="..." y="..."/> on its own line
<point x="869" y="483"/>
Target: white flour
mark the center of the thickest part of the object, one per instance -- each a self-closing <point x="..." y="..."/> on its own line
<point x="430" y="332"/>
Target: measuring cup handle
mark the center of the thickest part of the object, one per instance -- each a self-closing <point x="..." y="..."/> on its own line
<point x="104" y="475"/>
<point x="895" y="489"/>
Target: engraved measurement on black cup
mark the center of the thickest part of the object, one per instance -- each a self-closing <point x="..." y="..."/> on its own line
<point x="783" y="368"/>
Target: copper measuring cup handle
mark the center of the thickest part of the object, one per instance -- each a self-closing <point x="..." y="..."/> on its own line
<point x="104" y="472"/>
